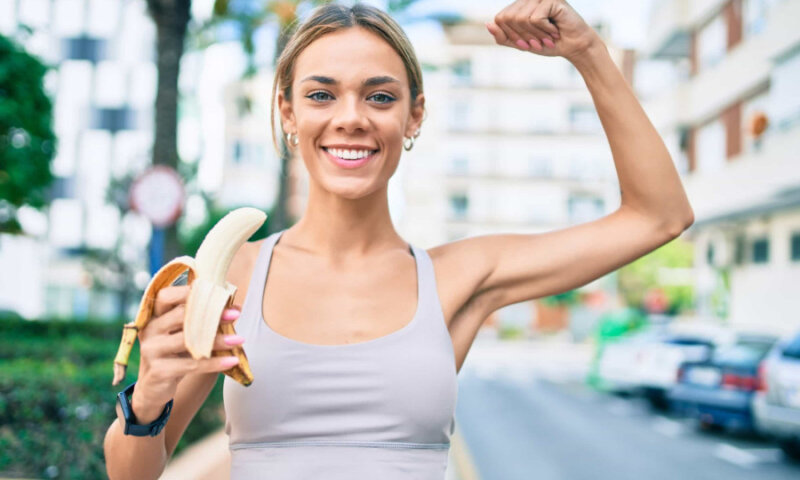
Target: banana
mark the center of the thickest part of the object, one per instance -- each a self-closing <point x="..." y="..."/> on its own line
<point x="209" y="294"/>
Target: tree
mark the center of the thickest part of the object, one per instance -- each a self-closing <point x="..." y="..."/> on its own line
<point x="27" y="141"/>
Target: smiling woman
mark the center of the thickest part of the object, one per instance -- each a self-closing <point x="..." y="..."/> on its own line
<point x="354" y="336"/>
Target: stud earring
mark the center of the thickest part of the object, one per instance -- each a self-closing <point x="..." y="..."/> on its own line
<point x="291" y="138"/>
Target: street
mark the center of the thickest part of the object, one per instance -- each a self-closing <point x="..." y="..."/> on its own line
<point x="520" y="420"/>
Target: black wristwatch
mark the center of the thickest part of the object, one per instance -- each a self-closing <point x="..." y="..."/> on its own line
<point x="131" y="427"/>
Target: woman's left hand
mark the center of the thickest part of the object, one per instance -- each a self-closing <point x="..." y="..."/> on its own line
<point x="546" y="27"/>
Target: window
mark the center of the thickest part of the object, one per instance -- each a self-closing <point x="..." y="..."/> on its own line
<point x="795" y="247"/>
<point x="84" y="48"/>
<point x="460" y="165"/>
<point x="784" y="95"/>
<point x="540" y="167"/>
<point x="761" y="250"/>
<point x="459" y="203"/>
<point x="462" y="72"/>
<point x="711" y="147"/>
<point x="755" y="15"/>
<point x="712" y="43"/>
<point x="739" y="250"/>
<point x="584" y="208"/>
<point x="459" y="115"/>
<point x="113" y="119"/>
<point x="583" y="118"/>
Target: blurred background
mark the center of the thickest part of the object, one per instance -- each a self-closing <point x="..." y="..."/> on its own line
<point x="129" y="127"/>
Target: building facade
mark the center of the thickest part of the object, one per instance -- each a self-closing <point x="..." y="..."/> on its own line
<point x="731" y="112"/>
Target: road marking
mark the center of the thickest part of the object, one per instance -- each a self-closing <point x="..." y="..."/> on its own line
<point x="735" y="455"/>
<point x="667" y="427"/>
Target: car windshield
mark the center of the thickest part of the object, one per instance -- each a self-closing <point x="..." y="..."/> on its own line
<point x="793" y="349"/>
<point x="744" y="352"/>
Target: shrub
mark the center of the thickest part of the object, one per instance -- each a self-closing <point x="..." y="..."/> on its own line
<point x="57" y="401"/>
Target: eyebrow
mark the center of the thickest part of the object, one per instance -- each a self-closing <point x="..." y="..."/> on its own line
<point x="366" y="83"/>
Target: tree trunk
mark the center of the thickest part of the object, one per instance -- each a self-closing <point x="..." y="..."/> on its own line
<point x="171" y="18"/>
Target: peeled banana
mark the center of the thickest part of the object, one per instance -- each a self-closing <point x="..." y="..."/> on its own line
<point x="209" y="294"/>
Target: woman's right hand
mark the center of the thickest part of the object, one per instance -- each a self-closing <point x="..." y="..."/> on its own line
<point x="164" y="360"/>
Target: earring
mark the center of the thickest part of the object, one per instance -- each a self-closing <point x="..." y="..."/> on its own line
<point x="291" y="138"/>
<point x="408" y="142"/>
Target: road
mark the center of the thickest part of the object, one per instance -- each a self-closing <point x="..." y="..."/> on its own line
<point x="524" y="413"/>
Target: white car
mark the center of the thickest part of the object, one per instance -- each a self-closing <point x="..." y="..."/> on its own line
<point x="776" y="409"/>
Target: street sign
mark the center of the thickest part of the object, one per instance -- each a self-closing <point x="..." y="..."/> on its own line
<point x="158" y="194"/>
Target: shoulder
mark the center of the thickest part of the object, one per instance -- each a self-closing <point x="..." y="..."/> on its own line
<point x="460" y="267"/>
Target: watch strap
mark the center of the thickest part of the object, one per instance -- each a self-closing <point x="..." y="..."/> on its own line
<point x="131" y="427"/>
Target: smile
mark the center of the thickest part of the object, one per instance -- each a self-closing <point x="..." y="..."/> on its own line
<point x="349" y="158"/>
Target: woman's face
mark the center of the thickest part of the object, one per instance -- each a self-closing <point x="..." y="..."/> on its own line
<point x="350" y="98"/>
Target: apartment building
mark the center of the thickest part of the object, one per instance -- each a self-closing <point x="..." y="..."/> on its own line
<point x="730" y="109"/>
<point x="103" y="83"/>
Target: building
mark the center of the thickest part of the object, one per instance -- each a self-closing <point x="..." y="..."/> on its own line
<point x="730" y="109"/>
<point x="103" y="84"/>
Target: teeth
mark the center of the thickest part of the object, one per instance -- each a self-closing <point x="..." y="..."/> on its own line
<point x="209" y="294"/>
<point x="349" y="154"/>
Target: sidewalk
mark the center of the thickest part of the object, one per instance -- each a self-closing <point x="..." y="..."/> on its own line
<point x="209" y="459"/>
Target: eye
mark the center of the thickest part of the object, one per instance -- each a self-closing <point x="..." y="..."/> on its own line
<point x="387" y="98"/>
<point x="313" y="95"/>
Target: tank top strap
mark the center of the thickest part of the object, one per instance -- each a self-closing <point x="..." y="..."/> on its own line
<point x="251" y="308"/>
<point x="429" y="304"/>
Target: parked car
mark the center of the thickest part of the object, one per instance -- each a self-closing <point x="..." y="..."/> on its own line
<point x="618" y="365"/>
<point x="719" y="392"/>
<point x="777" y="406"/>
<point x="658" y="365"/>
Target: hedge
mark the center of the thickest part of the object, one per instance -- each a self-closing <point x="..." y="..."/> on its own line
<point x="57" y="401"/>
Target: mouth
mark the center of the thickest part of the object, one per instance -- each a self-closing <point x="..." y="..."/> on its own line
<point x="350" y="158"/>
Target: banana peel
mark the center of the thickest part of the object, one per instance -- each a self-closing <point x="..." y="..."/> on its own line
<point x="209" y="295"/>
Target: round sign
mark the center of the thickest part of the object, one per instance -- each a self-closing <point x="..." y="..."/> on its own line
<point x="158" y="195"/>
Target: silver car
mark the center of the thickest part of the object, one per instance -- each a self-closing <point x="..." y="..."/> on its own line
<point x="777" y="408"/>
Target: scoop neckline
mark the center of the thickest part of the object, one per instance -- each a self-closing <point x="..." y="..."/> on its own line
<point x="402" y="330"/>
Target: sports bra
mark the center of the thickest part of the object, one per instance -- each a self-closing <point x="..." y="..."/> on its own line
<point x="382" y="408"/>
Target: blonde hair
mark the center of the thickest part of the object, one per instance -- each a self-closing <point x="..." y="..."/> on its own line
<point x="331" y="18"/>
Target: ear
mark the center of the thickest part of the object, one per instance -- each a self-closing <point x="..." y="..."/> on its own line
<point x="287" y="114"/>
<point x="416" y="116"/>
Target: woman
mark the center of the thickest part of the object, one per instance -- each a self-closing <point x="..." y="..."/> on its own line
<point x="346" y="386"/>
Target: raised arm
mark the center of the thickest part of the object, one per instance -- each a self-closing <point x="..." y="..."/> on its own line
<point x="504" y="269"/>
<point x="648" y="180"/>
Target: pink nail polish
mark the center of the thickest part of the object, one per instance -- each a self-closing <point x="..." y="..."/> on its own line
<point x="535" y="45"/>
<point x="229" y="361"/>
<point x="522" y="44"/>
<point x="548" y="42"/>
<point x="233" y="340"/>
<point x="231" y="314"/>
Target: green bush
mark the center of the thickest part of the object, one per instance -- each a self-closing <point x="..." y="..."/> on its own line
<point x="57" y="401"/>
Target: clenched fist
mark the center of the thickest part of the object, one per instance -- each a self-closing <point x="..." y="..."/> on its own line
<point x="546" y="27"/>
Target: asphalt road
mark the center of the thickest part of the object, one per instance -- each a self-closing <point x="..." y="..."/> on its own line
<point x="521" y="425"/>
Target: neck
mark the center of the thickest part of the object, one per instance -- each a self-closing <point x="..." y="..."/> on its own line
<point x="342" y="229"/>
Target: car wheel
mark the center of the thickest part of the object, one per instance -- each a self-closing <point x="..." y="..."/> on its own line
<point x="791" y="447"/>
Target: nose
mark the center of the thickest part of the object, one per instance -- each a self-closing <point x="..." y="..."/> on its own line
<point x="350" y="115"/>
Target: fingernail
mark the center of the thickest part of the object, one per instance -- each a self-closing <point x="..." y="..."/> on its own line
<point x="535" y="44"/>
<point x="233" y="339"/>
<point x="522" y="44"/>
<point x="229" y="361"/>
<point x="231" y="314"/>
<point x="548" y="42"/>
<point x="556" y="36"/>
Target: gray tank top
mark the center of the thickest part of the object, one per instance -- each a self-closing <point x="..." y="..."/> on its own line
<point x="382" y="408"/>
